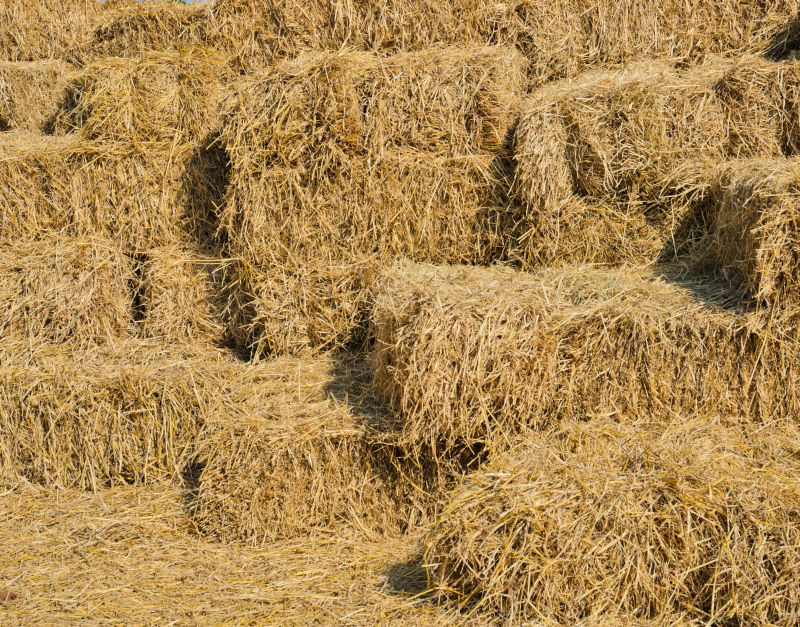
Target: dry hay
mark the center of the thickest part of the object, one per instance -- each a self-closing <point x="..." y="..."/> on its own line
<point x="127" y="556"/>
<point x="60" y="290"/>
<point x="340" y="161"/>
<point x="472" y="356"/>
<point x="31" y="93"/>
<point x="43" y="29"/>
<point x="305" y="463"/>
<point x="693" y="520"/>
<point x="127" y="28"/>
<point x="179" y="297"/>
<point x="751" y="219"/>
<point x="610" y="165"/>
<point x="76" y="187"/>
<point x="155" y="100"/>
<point x="560" y="38"/>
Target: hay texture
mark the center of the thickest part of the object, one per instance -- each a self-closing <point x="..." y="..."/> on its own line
<point x="31" y="93"/>
<point x="64" y="291"/>
<point x="127" y="28"/>
<point x="340" y="161"/>
<point x="77" y="188"/>
<point x="470" y="356"/>
<point x="179" y="298"/>
<point x="681" y="522"/>
<point x="305" y="463"/>
<point x="753" y="237"/>
<point x="155" y="100"/>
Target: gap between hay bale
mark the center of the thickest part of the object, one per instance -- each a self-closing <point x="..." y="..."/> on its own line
<point x="60" y="290"/>
<point x="692" y="518"/>
<point x="32" y="93"/>
<point x="473" y="356"/>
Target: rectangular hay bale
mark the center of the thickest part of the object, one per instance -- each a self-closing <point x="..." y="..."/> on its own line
<point x="32" y="93"/>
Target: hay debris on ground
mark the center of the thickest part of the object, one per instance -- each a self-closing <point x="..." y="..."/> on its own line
<point x="155" y="99"/>
<point x="340" y="161"/>
<point x="76" y="187"/>
<point x="310" y="461"/>
<point x="145" y="566"/>
<point x="32" y="92"/>
<point x="751" y="219"/>
<point x="180" y="298"/>
<point x="60" y="290"/>
<point x="691" y="519"/>
<point x="610" y="165"/>
<point x="472" y="356"/>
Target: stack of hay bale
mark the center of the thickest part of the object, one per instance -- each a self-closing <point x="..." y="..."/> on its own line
<point x="520" y="276"/>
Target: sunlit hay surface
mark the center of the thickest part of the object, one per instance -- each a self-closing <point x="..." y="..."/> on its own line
<point x="688" y="520"/>
<point x="32" y="93"/>
<point x="129" y="556"/>
<point x="342" y="161"/>
<point x="752" y="232"/>
<point x="60" y="290"/>
<point x="77" y="187"/>
<point x="470" y="356"/>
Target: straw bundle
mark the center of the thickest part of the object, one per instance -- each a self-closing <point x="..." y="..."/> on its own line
<point x="126" y="28"/>
<point x="59" y="290"/>
<point x="31" y="93"/>
<point x="75" y="187"/>
<point x="693" y="519"/>
<point x="179" y="298"/>
<point x="753" y="234"/>
<point x="157" y="98"/>
<point x="471" y="356"/>
<point x="45" y="29"/>
<point x="341" y="161"/>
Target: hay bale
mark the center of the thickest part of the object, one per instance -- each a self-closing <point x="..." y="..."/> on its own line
<point x="157" y="99"/>
<point x="76" y="187"/>
<point x="753" y="236"/>
<point x="31" y="93"/>
<point x="472" y="356"/>
<point x="60" y="290"/>
<point x="178" y="298"/>
<point x="44" y="29"/>
<point x="692" y="518"/>
<point x="342" y="161"/>
<point x="128" y="28"/>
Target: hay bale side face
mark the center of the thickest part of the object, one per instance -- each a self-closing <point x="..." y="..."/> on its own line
<point x="31" y="94"/>
<point x="603" y="520"/>
<point x="156" y="98"/>
<point x="301" y="463"/>
<point x="179" y="297"/>
<point x="129" y="28"/>
<point x="470" y="356"/>
<point x="60" y="290"/>
<point x="753" y="234"/>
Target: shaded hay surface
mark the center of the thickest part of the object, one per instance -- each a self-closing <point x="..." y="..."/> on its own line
<point x="145" y="566"/>
<point x="64" y="291"/>
<point x="31" y="93"/>
<point x="340" y="161"/>
<point x="470" y="356"/>
<point x="691" y="520"/>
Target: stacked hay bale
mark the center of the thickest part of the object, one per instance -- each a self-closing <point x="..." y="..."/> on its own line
<point x="611" y="166"/>
<point x="471" y="357"/>
<point x="342" y="161"/>
<point x="694" y="519"/>
<point x="32" y="93"/>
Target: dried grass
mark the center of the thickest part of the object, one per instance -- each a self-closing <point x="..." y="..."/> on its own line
<point x="472" y="356"/>
<point x="64" y="291"/>
<point x="31" y="93"/>
<point x="752" y="232"/>
<point x="127" y="556"/>
<point x="340" y="161"/>
<point x="692" y="521"/>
